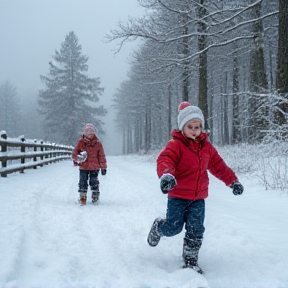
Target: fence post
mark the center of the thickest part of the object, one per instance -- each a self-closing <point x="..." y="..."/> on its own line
<point x="22" y="149"/>
<point x="35" y="150"/>
<point x="47" y="155"/>
<point x="42" y="149"/>
<point x="4" y="149"/>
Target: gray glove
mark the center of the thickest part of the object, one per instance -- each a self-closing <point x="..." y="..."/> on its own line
<point x="167" y="182"/>
<point x="237" y="188"/>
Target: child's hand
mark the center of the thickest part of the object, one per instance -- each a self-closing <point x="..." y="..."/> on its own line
<point x="103" y="171"/>
<point x="167" y="182"/>
<point x="237" y="188"/>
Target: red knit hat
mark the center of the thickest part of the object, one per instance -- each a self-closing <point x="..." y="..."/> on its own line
<point x="89" y="129"/>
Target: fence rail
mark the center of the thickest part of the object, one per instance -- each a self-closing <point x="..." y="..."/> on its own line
<point x="29" y="154"/>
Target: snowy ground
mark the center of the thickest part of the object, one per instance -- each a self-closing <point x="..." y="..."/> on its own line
<point x="47" y="241"/>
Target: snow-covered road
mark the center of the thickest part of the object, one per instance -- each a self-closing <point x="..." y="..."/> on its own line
<point x="47" y="241"/>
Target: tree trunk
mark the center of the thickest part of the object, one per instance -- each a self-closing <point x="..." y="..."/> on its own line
<point x="225" y="111"/>
<point x="148" y="129"/>
<point x="258" y="82"/>
<point x="202" y="96"/>
<point x="124" y="141"/>
<point x="236" y="133"/>
<point x="185" y="73"/>
<point x="282" y="61"/>
<point x="169" y="109"/>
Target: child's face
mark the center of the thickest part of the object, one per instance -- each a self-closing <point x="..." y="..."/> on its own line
<point x="89" y="136"/>
<point x="192" y="129"/>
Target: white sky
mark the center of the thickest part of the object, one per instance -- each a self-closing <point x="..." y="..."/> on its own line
<point x="31" y="31"/>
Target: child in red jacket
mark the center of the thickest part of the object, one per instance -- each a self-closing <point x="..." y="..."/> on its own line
<point x="182" y="168"/>
<point x="90" y="156"/>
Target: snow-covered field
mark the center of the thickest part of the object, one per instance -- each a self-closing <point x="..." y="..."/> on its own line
<point x="47" y="241"/>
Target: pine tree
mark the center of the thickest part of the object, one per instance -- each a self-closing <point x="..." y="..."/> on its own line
<point x="69" y="100"/>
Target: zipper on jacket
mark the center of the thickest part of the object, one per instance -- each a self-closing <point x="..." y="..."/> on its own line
<point x="198" y="178"/>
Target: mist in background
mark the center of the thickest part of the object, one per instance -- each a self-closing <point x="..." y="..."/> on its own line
<point x="31" y="31"/>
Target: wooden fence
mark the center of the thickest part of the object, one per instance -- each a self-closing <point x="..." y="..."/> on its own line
<point x="18" y="154"/>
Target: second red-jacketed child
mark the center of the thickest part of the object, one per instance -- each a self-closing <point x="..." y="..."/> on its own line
<point x="90" y="156"/>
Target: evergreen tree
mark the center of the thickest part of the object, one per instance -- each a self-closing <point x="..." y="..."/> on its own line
<point x="70" y="97"/>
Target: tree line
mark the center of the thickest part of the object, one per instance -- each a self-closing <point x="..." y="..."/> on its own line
<point x="228" y="57"/>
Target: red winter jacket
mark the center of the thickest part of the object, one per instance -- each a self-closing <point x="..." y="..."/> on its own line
<point x="95" y="154"/>
<point x="188" y="161"/>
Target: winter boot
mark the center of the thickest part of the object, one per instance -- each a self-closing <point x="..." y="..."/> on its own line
<point x="154" y="235"/>
<point x="191" y="249"/>
<point x="95" y="196"/>
<point x="83" y="198"/>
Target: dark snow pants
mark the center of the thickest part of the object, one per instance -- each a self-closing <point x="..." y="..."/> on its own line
<point x="180" y="211"/>
<point x="93" y="180"/>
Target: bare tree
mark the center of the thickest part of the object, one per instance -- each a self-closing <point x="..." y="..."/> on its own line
<point x="258" y="80"/>
<point x="202" y="45"/>
<point x="282" y="63"/>
<point x="197" y="41"/>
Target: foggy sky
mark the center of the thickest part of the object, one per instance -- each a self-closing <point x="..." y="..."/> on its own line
<point x="31" y="31"/>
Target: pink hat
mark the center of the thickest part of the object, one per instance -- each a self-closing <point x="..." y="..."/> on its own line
<point x="89" y="129"/>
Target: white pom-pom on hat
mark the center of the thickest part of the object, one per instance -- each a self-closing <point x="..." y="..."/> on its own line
<point x="187" y="112"/>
